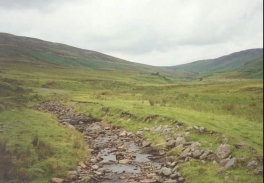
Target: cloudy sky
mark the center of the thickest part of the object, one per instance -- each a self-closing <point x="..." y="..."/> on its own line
<point x="154" y="32"/>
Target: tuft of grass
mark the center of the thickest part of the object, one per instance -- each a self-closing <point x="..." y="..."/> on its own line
<point x="175" y="151"/>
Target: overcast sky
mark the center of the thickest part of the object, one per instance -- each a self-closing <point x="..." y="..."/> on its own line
<point x="154" y="32"/>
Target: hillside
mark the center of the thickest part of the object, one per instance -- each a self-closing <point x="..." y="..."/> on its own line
<point x="18" y="50"/>
<point x="244" y="61"/>
<point x="253" y="68"/>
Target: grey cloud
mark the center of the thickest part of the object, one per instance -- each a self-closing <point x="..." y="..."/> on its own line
<point x="41" y="5"/>
<point x="28" y="4"/>
<point x="144" y="31"/>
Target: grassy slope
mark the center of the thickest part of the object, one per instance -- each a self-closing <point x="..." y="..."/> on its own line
<point x="227" y="63"/>
<point x="252" y="69"/>
<point x="54" y="156"/>
<point x="23" y="50"/>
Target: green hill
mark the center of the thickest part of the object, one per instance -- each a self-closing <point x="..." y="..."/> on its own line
<point x="24" y="50"/>
<point x="244" y="61"/>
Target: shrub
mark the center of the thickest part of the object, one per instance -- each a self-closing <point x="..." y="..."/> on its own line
<point x="183" y="95"/>
<point x="163" y="102"/>
<point x="35" y="141"/>
<point x="152" y="102"/>
<point x="3" y="147"/>
<point x="6" y="164"/>
<point x="2" y="107"/>
<point x="228" y="107"/>
<point x="155" y="74"/>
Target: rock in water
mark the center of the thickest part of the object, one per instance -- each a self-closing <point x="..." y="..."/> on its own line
<point x="146" y="143"/>
<point x="166" y="171"/>
<point x="57" y="180"/>
<point x="95" y="167"/>
<point x="125" y="161"/>
<point x="123" y="134"/>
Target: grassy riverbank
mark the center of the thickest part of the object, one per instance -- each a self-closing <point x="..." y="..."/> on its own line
<point x="36" y="147"/>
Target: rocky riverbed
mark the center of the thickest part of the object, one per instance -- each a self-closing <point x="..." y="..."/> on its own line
<point x="119" y="156"/>
<point x="116" y="155"/>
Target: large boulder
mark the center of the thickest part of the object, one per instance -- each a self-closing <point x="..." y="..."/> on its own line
<point x="258" y="172"/>
<point x="197" y="153"/>
<point x="180" y="140"/>
<point x="223" y="151"/>
<point x="171" y="143"/>
<point x="185" y="153"/>
<point x="195" y="146"/>
<point x="231" y="163"/>
<point x="146" y="143"/>
<point x="239" y="145"/>
<point x="205" y="155"/>
<point x="71" y="126"/>
<point x="252" y="165"/>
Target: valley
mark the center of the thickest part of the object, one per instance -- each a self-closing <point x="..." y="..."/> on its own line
<point x="155" y="105"/>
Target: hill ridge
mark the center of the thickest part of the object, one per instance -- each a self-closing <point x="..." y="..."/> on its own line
<point x="57" y="44"/>
<point x="33" y="50"/>
<point x="226" y="63"/>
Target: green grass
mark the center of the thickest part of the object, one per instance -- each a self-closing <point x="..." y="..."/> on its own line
<point x="205" y="173"/>
<point x="53" y="153"/>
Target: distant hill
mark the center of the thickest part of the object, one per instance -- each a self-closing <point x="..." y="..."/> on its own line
<point x="18" y="50"/>
<point x="249" y="63"/>
<point x="25" y="50"/>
